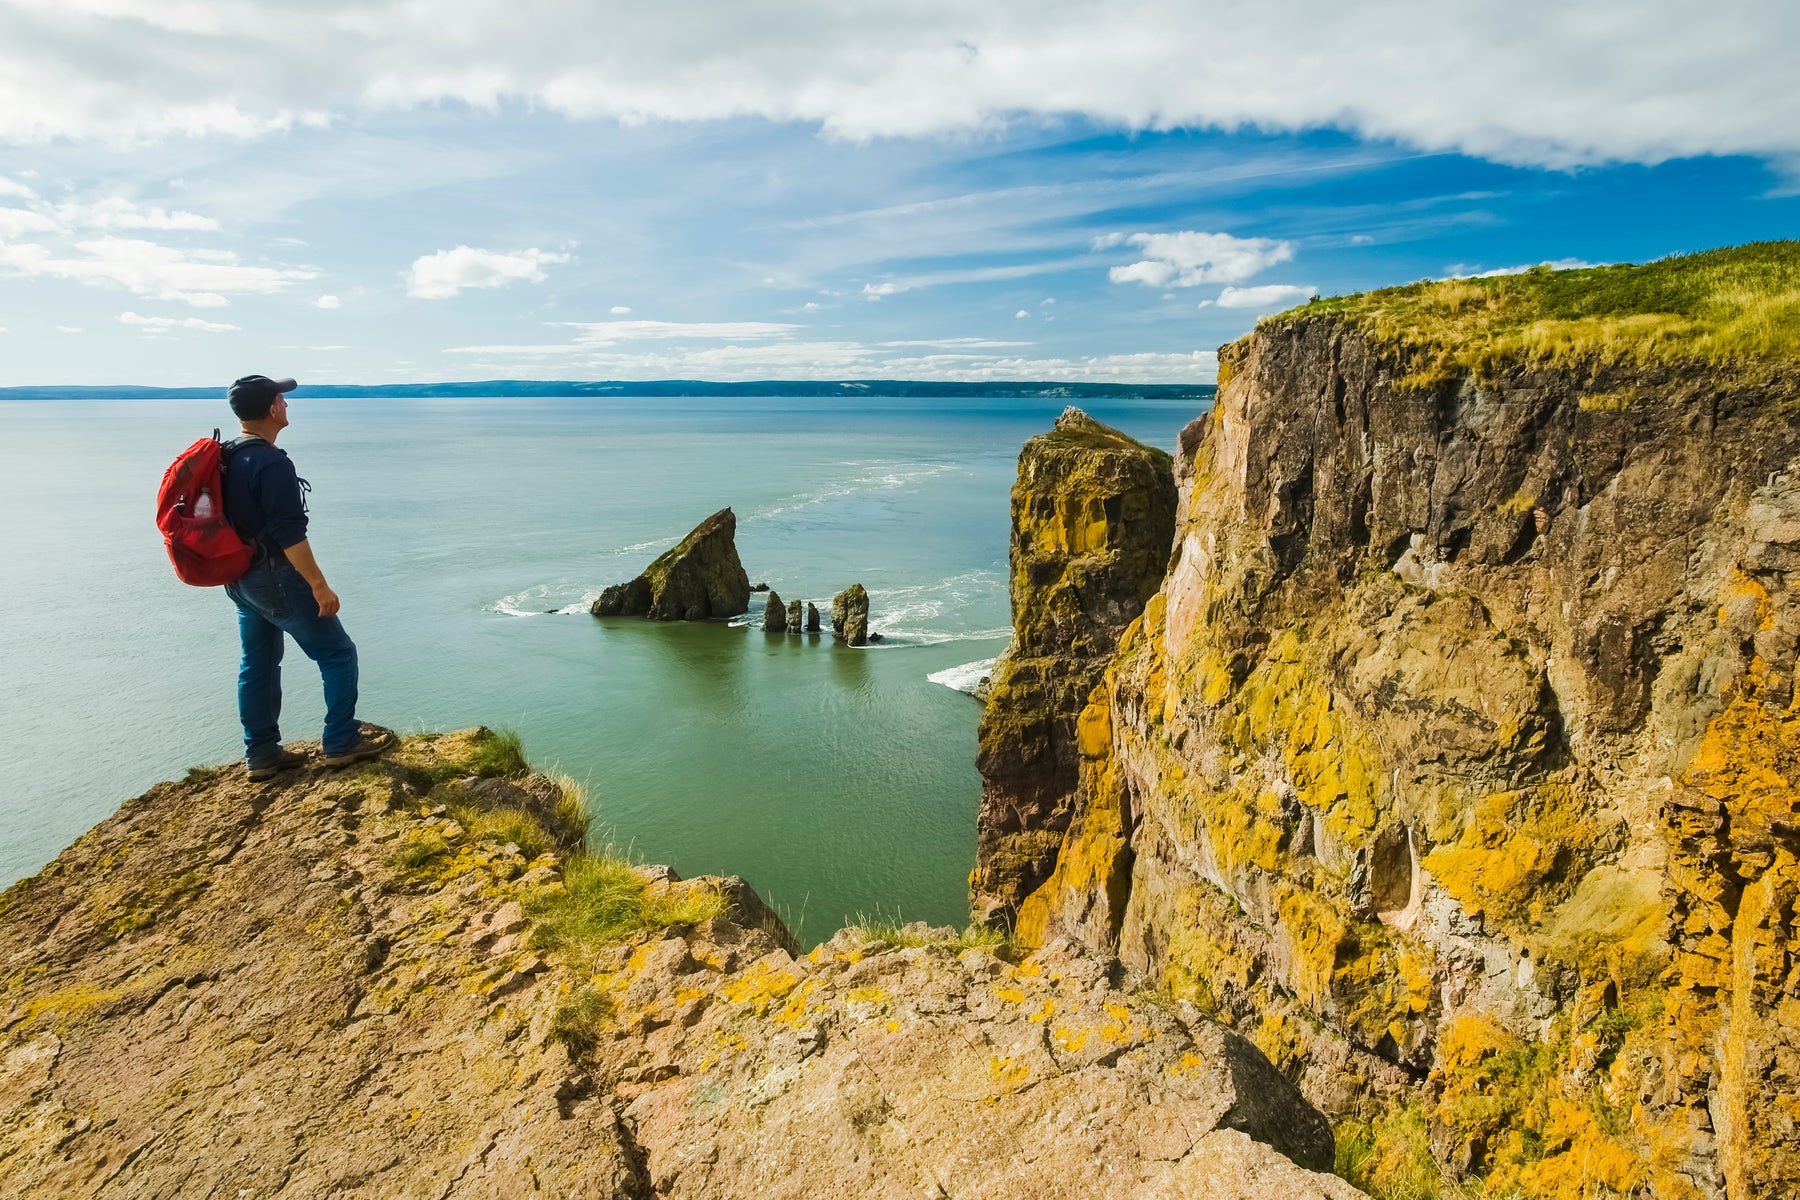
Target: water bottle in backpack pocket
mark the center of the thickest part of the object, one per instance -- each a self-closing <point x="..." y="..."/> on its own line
<point x="190" y="510"/>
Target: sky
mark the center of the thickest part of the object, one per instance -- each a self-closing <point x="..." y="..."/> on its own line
<point x="390" y="191"/>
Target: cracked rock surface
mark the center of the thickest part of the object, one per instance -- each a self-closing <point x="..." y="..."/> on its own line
<point x="236" y="990"/>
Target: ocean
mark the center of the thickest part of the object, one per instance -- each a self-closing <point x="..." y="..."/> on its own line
<point x="466" y="538"/>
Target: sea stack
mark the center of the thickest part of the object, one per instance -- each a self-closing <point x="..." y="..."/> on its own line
<point x="774" y="614"/>
<point x="1093" y="517"/>
<point x="793" y="616"/>
<point x="850" y="615"/>
<point x="812" y="617"/>
<point x="700" y="578"/>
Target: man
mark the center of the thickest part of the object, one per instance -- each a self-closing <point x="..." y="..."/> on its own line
<point x="284" y="592"/>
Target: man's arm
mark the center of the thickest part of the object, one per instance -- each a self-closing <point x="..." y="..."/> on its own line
<point x="300" y="554"/>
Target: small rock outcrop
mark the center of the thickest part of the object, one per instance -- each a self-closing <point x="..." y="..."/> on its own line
<point x="1093" y="518"/>
<point x="774" y="614"/>
<point x="812" y="617"/>
<point x="361" y="983"/>
<point x="794" y="616"/>
<point x="850" y="615"/>
<point x="700" y="578"/>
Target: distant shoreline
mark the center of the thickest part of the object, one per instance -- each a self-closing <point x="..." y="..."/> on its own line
<point x="501" y="388"/>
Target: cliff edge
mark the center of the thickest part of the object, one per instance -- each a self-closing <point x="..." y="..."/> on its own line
<point x="1455" y="759"/>
<point x="409" y="980"/>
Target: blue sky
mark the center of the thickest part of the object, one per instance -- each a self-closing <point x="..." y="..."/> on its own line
<point x="1042" y="194"/>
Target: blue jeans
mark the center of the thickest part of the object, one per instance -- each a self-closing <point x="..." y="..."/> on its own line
<point x="272" y="599"/>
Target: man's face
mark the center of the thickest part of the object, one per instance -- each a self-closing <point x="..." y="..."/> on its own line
<point x="278" y="412"/>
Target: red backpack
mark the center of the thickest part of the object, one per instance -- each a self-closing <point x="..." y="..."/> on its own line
<point x="206" y="550"/>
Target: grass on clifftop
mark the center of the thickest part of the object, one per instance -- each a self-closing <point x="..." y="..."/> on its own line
<point x="1739" y="305"/>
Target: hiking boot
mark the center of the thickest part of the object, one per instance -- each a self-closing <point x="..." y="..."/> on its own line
<point x="286" y="761"/>
<point x="375" y="742"/>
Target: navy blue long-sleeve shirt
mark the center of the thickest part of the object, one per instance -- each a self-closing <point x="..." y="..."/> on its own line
<point x="262" y="495"/>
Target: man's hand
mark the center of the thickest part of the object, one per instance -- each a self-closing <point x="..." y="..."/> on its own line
<point x="325" y="598"/>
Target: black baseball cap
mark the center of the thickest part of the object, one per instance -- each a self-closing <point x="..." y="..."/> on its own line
<point x="252" y="396"/>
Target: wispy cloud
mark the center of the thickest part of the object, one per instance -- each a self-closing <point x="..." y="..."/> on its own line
<point x="441" y="275"/>
<point x="1461" y="271"/>
<point x="165" y="324"/>
<point x="202" y="278"/>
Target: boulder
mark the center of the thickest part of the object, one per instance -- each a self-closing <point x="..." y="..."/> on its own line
<point x="774" y="614"/>
<point x="700" y="578"/>
<point x="812" y="617"/>
<point x="850" y="615"/>
<point x="794" y="617"/>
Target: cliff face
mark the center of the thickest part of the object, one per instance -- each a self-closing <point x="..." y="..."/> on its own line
<point x="406" y="981"/>
<point x="1093" y="515"/>
<point x="1459" y="749"/>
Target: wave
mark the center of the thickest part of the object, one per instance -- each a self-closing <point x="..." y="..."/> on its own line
<point x="873" y="476"/>
<point x="967" y="677"/>
<point x="535" y="602"/>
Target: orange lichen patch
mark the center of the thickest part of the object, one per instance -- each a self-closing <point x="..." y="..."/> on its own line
<point x="67" y="1005"/>
<point x="1093" y="730"/>
<point x="851" y="956"/>
<point x="1315" y="932"/>
<point x="1094" y="859"/>
<point x="1514" y="845"/>
<point x="1044" y="1011"/>
<point x="1006" y="1074"/>
<point x="1280" y="1036"/>
<point x="760" y="987"/>
<point x="1071" y="1040"/>
<point x="1742" y="590"/>
<point x="1028" y="968"/>
<point x="1011" y="995"/>
<point x="1187" y="1066"/>
<point x="794" y="1011"/>
<point x="722" y="1044"/>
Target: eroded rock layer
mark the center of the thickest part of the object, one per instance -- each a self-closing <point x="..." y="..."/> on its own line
<point x="1455" y="761"/>
<point x="1093" y="515"/>
<point x="398" y="982"/>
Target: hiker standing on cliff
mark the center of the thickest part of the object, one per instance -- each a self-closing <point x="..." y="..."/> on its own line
<point x="284" y="592"/>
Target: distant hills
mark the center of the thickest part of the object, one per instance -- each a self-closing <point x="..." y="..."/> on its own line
<point x="658" y="387"/>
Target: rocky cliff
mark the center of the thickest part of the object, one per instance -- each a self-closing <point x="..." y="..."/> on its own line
<point x="1093" y="515"/>
<point x="408" y="980"/>
<point x="1455" y="759"/>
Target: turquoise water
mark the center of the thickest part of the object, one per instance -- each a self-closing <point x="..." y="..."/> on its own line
<point x="840" y="782"/>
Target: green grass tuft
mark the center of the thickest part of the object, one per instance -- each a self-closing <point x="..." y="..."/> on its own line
<point x="578" y="1019"/>
<point x="503" y="825"/>
<point x="502" y="754"/>
<point x="603" y="901"/>
<point x="901" y="937"/>
<point x="1734" y="306"/>
<point x="1390" y="1158"/>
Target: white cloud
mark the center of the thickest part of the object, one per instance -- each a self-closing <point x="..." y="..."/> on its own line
<point x="442" y="275"/>
<point x="164" y="324"/>
<point x="326" y="302"/>
<point x="1268" y="297"/>
<point x="1047" y="300"/>
<point x="1361" y="239"/>
<point x="875" y="291"/>
<point x="756" y="350"/>
<point x="1022" y="313"/>
<point x="202" y="278"/>
<point x="619" y="310"/>
<point x="1535" y="81"/>
<point x="117" y="212"/>
<point x="1191" y="258"/>
<point x="69" y="329"/>
<point x="16" y="221"/>
<point x="1458" y="271"/>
